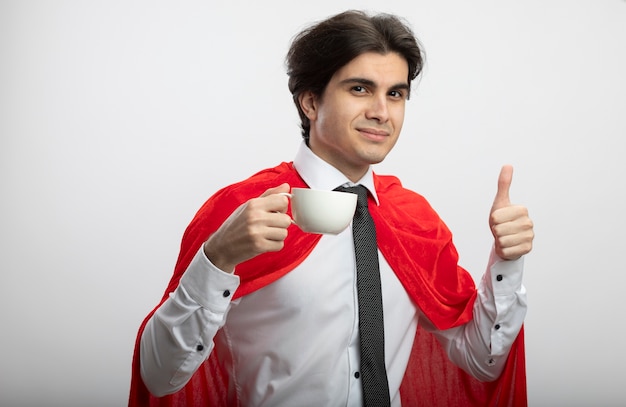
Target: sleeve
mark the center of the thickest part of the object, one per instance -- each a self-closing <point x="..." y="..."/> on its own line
<point x="481" y="346"/>
<point x="178" y="338"/>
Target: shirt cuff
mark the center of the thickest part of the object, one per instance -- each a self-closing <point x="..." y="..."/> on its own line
<point x="507" y="309"/>
<point x="209" y="286"/>
<point x="505" y="276"/>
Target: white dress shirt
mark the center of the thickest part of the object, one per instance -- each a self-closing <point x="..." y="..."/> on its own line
<point x="295" y="341"/>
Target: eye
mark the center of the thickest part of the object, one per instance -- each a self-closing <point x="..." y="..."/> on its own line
<point x="358" y="89"/>
<point x="397" y="94"/>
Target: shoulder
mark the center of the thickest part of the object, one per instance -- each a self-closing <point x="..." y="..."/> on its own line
<point x="227" y="199"/>
<point x="405" y="208"/>
<point x="259" y="182"/>
<point x="390" y="189"/>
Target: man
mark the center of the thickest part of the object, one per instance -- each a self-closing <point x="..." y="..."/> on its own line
<point x="259" y="313"/>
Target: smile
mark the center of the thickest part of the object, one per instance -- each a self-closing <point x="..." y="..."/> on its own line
<point x="374" y="134"/>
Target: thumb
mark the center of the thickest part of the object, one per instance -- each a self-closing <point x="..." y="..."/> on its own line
<point x="276" y="190"/>
<point x="504" y="184"/>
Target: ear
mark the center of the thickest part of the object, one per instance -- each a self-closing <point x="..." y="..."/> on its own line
<point x="308" y="104"/>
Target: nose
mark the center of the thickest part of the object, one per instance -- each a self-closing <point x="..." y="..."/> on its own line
<point x="378" y="109"/>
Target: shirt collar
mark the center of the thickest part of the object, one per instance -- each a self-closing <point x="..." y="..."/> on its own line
<point x="318" y="174"/>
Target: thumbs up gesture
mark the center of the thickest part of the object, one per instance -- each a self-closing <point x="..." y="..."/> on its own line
<point x="510" y="225"/>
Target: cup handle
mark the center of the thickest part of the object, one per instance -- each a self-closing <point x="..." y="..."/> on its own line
<point x="288" y="195"/>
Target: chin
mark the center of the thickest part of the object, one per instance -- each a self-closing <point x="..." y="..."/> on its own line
<point x="375" y="157"/>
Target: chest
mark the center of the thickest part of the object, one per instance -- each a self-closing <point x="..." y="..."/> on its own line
<point x="320" y="294"/>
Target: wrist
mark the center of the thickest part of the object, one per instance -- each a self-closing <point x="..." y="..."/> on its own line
<point x="217" y="259"/>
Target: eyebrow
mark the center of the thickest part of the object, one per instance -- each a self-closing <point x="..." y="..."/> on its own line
<point x="369" y="82"/>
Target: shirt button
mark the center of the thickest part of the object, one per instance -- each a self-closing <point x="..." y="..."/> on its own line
<point x="491" y="362"/>
<point x="357" y="375"/>
<point x="499" y="277"/>
<point x="226" y="293"/>
<point x="200" y="348"/>
<point x="497" y="326"/>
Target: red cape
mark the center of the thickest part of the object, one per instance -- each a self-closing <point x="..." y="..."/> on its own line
<point x="418" y="247"/>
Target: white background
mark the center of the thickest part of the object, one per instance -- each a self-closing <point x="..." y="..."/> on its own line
<point x="119" y="118"/>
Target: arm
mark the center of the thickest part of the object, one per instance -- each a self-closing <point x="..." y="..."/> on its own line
<point x="481" y="345"/>
<point x="179" y="335"/>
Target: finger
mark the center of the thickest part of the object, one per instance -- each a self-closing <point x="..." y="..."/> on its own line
<point x="504" y="184"/>
<point x="521" y="226"/>
<point x="279" y="220"/>
<point x="508" y="214"/>
<point x="272" y="201"/>
<point x="278" y="233"/>
<point x="514" y="246"/>
<point x="513" y="239"/>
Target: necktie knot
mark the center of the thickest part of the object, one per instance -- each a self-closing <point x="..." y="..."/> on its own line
<point x="361" y="193"/>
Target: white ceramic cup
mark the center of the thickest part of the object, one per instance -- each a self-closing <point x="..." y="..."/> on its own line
<point x="327" y="212"/>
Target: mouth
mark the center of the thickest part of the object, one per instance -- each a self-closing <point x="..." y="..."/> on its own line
<point x="374" y="134"/>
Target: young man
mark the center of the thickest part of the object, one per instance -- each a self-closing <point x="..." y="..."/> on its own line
<point x="259" y="313"/>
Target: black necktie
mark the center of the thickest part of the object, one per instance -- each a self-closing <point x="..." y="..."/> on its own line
<point x="371" y="327"/>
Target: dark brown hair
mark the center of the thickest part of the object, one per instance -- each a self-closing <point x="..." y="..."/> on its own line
<point x="322" y="49"/>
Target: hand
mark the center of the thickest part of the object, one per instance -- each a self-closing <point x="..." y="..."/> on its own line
<point x="257" y="226"/>
<point x="510" y="225"/>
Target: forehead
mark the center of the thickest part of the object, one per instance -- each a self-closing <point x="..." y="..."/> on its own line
<point x="383" y="69"/>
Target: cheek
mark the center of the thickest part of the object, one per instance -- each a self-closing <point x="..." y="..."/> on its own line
<point x="336" y="118"/>
<point x="332" y="122"/>
<point x="398" y="127"/>
<point x="398" y="119"/>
